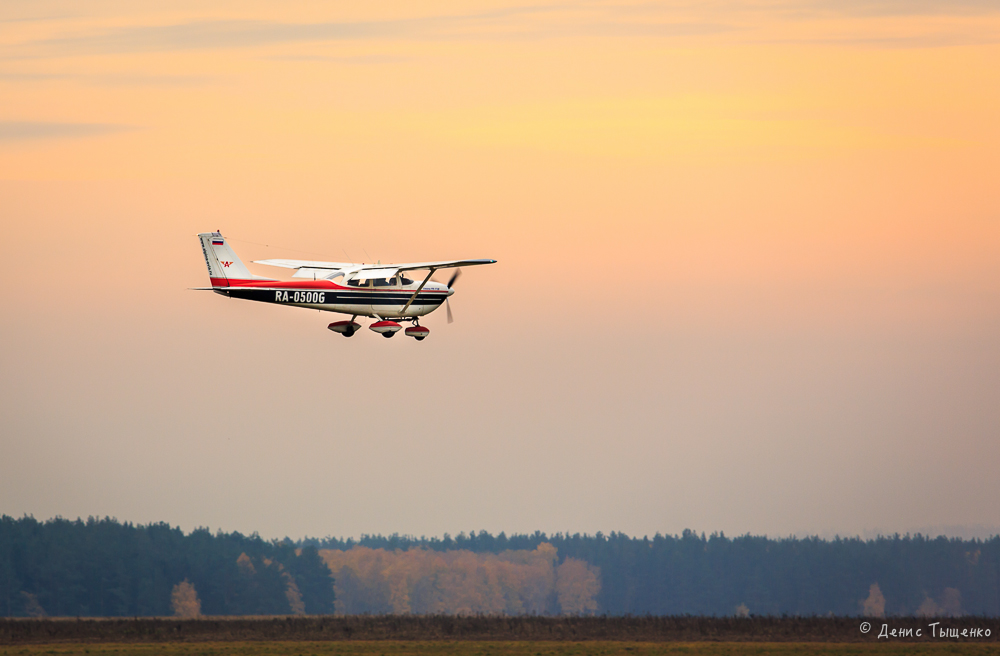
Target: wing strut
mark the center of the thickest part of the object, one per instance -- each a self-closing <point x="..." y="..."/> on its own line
<point x="407" y="306"/>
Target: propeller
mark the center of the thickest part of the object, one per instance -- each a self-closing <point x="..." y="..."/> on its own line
<point x="447" y="301"/>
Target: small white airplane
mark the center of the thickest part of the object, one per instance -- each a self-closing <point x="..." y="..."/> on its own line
<point x="380" y="291"/>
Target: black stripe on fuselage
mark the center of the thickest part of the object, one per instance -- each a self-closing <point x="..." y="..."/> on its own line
<point x="331" y="297"/>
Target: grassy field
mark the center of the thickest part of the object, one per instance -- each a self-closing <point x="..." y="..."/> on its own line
<point x="482" y="636"/>
<point x="442" y="629"/>
<point x="465" y="648"/>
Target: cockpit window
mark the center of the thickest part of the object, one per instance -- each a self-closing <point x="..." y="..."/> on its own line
<point x="381" y="282"/>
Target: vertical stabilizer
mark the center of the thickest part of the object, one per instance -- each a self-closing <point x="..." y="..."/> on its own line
<point x="223" y="264"/>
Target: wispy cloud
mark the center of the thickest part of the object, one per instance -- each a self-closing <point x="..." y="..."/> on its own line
<point x="908" y="7"/>
<point x="217" y="34"/>
<point x="916" y="41"/>
<point x="34" y="77"/>
<point x="358" y="60"/>
<point x="510" y="23"/>
<point x="113" y="79"/>
<point x="140" y="80"/>
<point x="524" y="22"/>
<point x="29" y="130"/>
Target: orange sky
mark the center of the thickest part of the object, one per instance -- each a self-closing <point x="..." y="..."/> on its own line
<point x="740" y="244"/>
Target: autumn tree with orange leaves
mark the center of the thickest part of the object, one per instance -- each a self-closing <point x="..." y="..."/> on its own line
<point x="184" y="600"/>
<point x="461" y="582"/>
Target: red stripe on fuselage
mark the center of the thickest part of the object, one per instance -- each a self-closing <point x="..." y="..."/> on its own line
<point x="276" y="284"/>
<point x="309" y="284"/>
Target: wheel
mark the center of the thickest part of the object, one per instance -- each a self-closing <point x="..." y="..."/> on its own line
<point x="388" y="334"/>
<point x="348" y="333"/>
<point x="419" y="339"/>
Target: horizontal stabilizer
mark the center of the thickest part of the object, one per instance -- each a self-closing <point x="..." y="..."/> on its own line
<point x="310" y="264"/>
<point x="316" y="274"/>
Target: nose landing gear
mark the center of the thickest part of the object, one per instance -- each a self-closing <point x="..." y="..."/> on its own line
<point x="418" y="332"/>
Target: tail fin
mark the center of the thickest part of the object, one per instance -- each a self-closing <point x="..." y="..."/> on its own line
<point x="223" y="264"/>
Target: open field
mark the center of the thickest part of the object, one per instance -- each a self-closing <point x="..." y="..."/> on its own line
<point x="407" y="631"/>
<point x="468" y="648"/>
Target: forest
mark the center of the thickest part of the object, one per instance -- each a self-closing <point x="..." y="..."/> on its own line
<point x="102" y="567"/>
<point x="692" y="574"/>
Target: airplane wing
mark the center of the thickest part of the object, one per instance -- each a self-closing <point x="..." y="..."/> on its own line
<point x="447" y="264"/>
<point x="369" y="270"/>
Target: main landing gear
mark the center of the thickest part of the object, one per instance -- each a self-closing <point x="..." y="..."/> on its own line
<point x="384" y="327"/>
<point x="345" y="328"/>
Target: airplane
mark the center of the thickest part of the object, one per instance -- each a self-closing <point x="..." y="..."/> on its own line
<point x="380" y="291"/>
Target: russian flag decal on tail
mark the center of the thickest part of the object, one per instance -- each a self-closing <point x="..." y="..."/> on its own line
<point x="218" y="242"/>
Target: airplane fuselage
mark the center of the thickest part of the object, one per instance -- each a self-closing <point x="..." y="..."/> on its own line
<point x="361" y="298"/>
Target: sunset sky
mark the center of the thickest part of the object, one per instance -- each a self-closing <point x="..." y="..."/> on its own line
<point x="748" y="278"/>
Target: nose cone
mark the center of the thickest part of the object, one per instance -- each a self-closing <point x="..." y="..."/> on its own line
<point x="450" y="291"/>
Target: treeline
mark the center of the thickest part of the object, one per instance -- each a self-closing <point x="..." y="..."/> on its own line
<point x="717" y="575"/>
<point x="101" y="567"/>
<point x="106" y="568"/>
